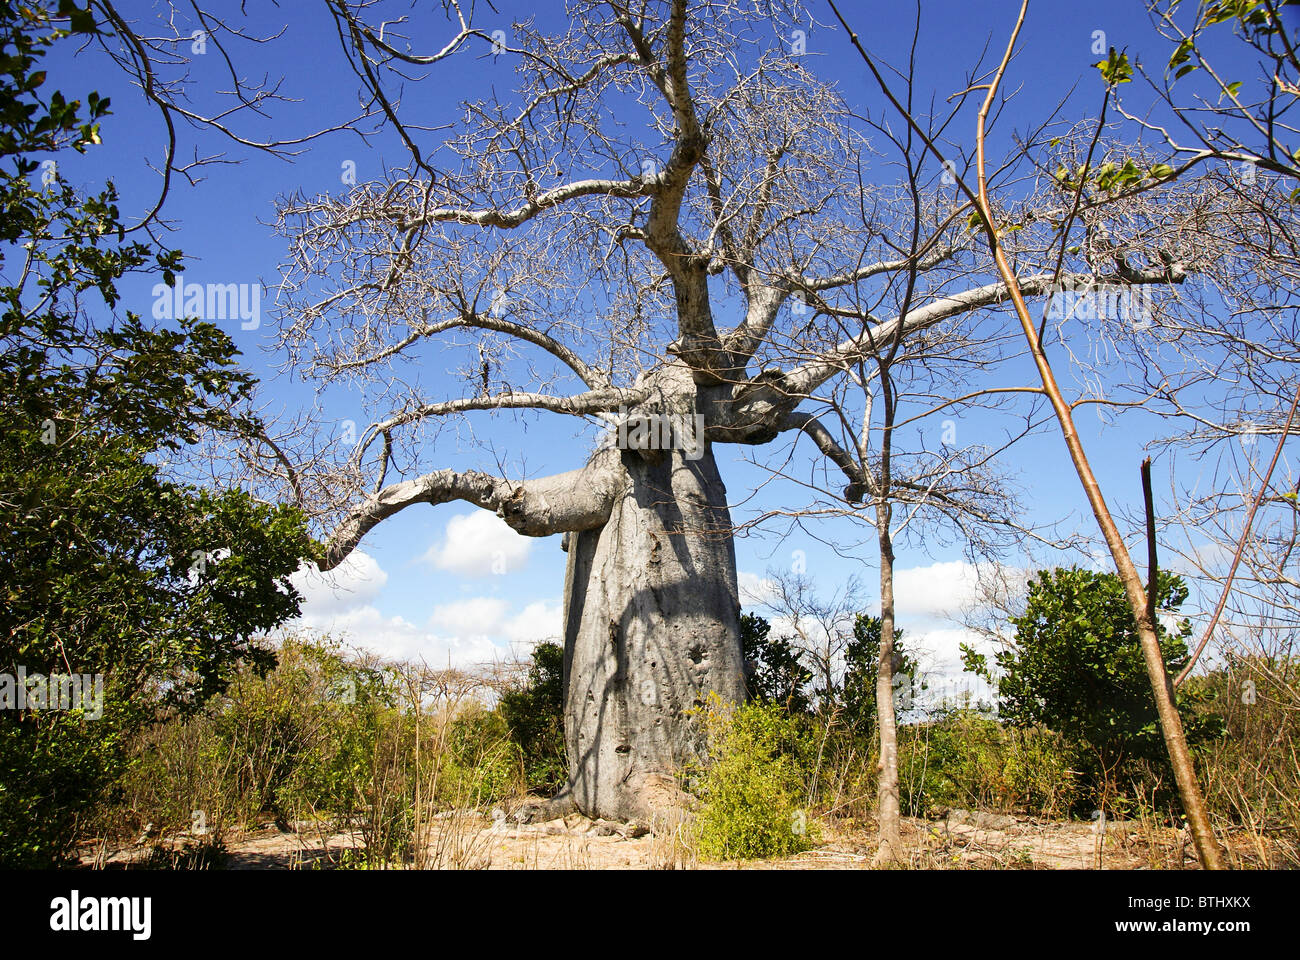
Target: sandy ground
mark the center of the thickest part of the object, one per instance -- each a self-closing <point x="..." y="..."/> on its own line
<point x="961" y="840"/>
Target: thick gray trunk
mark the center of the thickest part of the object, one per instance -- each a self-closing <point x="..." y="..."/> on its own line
<point x="652" y="625"/>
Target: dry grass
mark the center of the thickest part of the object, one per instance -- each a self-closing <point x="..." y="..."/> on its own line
<point x="405" y="811"/>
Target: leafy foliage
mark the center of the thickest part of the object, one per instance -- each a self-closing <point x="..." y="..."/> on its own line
<point x="482" y="763"/>
<point x="534" y="716"/>
<point x="338" y="740"/>
<point x="1232" y="124"/>
<point x="753" y="791"/>
<point x="108" y="566"/>
<point x="1115" y="69"/>
<point x="1076" y="667"/>
<point x="775" y="673"/>
<point x="862" y="668"/>
<point x="967" y="759"/>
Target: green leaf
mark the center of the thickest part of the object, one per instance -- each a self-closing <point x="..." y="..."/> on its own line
<point x="1115" y="69"/>
<point x="1219" y="12"/>
<point x="82" y="21"/>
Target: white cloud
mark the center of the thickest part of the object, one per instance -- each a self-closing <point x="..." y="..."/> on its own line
<point x="462" y="633"/>
<point x="395" y="638"/>
<point x="782" y="626"/>
<point x="490" y="616"/>
<point x="473" y="616"/>
<point x="479" y="544"/>
<point x="755" y="591"/>
<point x="942" y="591"/>
<point x="940" y="650"/>
<point x="938" y="656"/>
<point x="542" y="620"/>
<point x="354" y="582"/>
<point x="937" y="591"/>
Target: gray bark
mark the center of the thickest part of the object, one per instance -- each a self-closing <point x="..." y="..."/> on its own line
<point x="887" y="807"/>
<point x="652" y="626"/>
<point x="652" y="612"/>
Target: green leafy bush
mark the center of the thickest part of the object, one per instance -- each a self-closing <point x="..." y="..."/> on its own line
<point x="862" y="668"/>
<point x="108" y="564"/>
<point x="481" y="764"/>
<point x="54" y="768"/>
<point x="967" y="759"/>
<point x="753" y="790"/>
<point x="534" y="715"/>
<point x="775" y="673"/>
<point x="312" y="729"/>
<point x="1076" y="667"/>
<point x="285" y="744"/>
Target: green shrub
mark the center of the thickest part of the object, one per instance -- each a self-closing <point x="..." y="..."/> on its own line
<point x="967" y="759"/>
<point x="1076" y="667"/>
<point x="343" y="740"/>
<point x="104" y="554"/>
<point x="481" y="764"/>
<point x="350" y="742"/>
<point x="775" y="672"/>
<point x="857" y="695"/>
<point x="54" y="768"/>
<point x="182" y="775"/>
<point x="534" y="715"/>
<point x="753" y="790"/>
<point x="319" y="736"/>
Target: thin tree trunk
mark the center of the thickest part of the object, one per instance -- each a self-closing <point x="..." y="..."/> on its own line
<point x="1171" y="725"/>
<point x="887" y="805"/>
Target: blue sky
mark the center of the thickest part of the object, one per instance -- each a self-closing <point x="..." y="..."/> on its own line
<point x="452" y="583"/>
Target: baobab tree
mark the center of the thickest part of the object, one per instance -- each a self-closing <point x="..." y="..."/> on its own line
<point x="739" y="176"/>
<point x="661" y="232"/>
<point x="632" y="239"/>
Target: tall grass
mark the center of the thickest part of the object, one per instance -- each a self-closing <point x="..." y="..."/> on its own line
<point x="328" y="742"/>
<point x="406" y="766"/>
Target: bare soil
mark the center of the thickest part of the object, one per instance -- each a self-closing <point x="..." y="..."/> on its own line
<point x="476" y="840"/>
